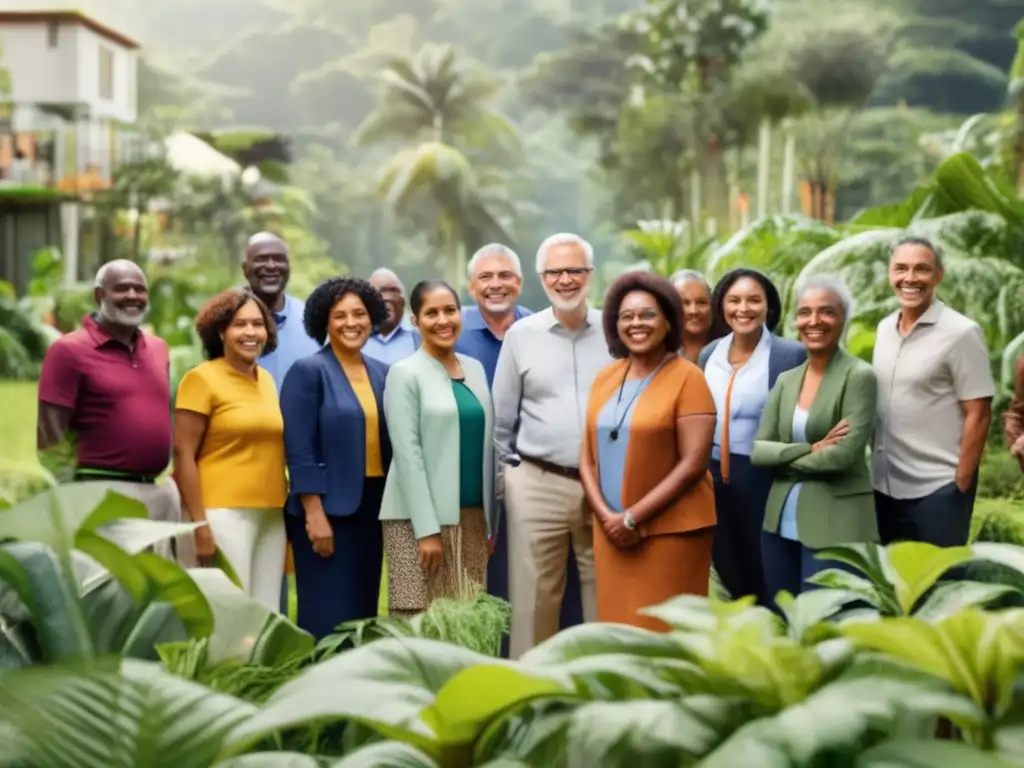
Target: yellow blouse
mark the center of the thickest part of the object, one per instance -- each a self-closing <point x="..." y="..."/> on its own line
<point x="364" y="393"/>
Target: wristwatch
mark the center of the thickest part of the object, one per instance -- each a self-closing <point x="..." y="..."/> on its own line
<point x="628" y="521"/>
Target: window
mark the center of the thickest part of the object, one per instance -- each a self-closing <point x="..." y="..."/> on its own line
<point x="52" y="33"/>
<point x="106" y="73"/>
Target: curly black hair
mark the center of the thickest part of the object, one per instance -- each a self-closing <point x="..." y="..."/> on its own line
<point x="323" y="298"/>
<point x="218" y="312"/>
<point x="664" y="293"/>
<point x="719" y="326"/>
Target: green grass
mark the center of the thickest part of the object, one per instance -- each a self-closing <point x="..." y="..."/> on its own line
<point x="18" y="422"/>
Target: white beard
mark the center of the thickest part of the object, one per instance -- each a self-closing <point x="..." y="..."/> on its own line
<point x="564" y="305"/>
<point x="496" y="308"/>
<point x="112" y="314"/>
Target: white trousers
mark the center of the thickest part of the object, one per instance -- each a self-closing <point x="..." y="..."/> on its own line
<point x="254" y="543"/>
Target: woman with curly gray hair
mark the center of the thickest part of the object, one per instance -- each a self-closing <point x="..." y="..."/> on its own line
<point x="338" y="452"/>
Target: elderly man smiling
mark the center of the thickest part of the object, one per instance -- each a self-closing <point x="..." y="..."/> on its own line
<point x="495" y="282"/>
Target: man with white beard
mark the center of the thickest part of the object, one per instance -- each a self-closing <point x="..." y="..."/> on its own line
<point x="108" y="385"/>
<point x="545" y="370"/>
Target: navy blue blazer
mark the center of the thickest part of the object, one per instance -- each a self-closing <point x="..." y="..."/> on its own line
<point x="784" y="356"/>
<point x="325" y="432"/>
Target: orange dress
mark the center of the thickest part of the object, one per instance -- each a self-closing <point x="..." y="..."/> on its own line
<point x="674" y="555"/>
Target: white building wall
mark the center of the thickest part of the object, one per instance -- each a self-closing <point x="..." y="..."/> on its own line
<point x="68" y="72"/>
<point x="40" y="74"/>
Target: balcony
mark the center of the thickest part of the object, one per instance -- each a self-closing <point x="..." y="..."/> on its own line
<point x="47" y="158"/>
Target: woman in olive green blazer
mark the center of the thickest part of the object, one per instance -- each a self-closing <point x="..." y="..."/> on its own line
<point x="437" y="508"/>
<point x="814" y="434"/>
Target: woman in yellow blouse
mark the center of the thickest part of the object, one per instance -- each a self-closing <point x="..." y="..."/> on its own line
<point x="229" y="444"/>
<point x="338" y="449"/>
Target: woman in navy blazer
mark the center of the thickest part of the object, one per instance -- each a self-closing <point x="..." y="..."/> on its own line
<point x="741" y="368"/>
<point x="338" y="452"/>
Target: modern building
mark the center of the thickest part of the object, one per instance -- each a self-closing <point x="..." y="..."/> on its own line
<point x="68" y="107"/>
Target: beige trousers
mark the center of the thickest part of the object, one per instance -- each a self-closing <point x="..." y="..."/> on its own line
<point x="164" y="504"/>
<point x="544" y="513"/>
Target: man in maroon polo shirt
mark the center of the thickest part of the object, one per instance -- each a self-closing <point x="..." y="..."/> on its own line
<point x="108" y="384"/>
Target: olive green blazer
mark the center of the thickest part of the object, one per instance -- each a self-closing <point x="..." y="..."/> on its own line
<point x="837" y="503"/>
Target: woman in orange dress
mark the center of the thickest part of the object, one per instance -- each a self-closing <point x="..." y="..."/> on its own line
<point x="644" y="461"/>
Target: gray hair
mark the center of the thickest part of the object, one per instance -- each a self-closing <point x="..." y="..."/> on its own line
<point x="924" y="242"/>
<point x="103" y="271"/>
<point x="495" y="249"/>
<point x="563" y="238"/>
<point x="833" y="284"/>
<point x="385" y="272"/>
<point x="684" y="276"/>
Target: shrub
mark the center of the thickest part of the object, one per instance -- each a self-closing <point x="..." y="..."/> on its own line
<point x="1000" y="476"/>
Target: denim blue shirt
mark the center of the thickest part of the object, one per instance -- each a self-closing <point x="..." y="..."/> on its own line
<point x="749" y="393"/>
<point x="787" y="524"/>
<point x="397" y="345"/>
<point x="292" y="342"/>
<point x="478" y="341"/>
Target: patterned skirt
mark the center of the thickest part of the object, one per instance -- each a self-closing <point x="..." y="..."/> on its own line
<point x="410" y="590"/>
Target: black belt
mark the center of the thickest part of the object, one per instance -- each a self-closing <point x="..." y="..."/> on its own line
<point x="572" y="473"/>
<point x="87" y="474"/>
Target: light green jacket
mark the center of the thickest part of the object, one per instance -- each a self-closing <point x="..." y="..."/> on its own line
<point x="837" y="502"/>
<point x="423" y="422"/>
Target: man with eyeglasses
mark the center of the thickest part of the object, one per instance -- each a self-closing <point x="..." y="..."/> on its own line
<point x="394" y="339"/>
<point x="547" y="364"/>
<point x="267" y="267"/>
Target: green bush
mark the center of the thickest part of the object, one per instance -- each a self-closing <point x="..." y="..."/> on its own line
<point x="1000" y="476"/>
<point x="21" y="481"/>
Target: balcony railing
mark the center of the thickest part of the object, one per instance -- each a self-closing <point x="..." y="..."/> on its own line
<point x="72" y="159"/>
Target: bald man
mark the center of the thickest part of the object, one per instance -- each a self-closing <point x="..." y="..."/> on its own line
<point x="395" y="338"/>
<point x="267" y="266"/>
<point x="107" y="385"/>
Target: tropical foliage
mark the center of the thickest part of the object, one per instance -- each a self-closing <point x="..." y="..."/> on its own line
<point x="114" y="657"/>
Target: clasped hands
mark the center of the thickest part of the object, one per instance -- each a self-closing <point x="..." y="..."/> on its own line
<point x="614" y="527"/>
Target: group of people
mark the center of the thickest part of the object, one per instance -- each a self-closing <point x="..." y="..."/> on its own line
<point x="636" y="445"/>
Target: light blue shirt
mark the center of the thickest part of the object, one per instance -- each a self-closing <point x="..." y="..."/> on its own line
<point x="292" y="341"/>
<point x="611" y="454"/>
<point x="478" y="341"/>
<point x="397" y="345"/>
<point x="787" y="525"/>
<point x="749" y="393"/>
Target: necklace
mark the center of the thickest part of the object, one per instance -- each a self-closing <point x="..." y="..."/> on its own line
<point x="620" y="420"/>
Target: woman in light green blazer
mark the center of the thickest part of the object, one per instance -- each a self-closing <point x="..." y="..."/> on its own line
<point x="813" y="434"/>
<point x="437" y="507"/>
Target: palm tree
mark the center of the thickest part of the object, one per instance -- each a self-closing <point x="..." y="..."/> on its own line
<point x="439" y="109"/>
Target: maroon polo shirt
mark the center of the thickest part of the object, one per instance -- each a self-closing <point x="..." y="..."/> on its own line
<point x="120" y="398"/>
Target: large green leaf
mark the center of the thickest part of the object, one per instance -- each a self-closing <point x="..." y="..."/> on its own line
<point x="623" y="676"/>
<point x="33" y="572"/>
<point x="920" y="753"/>
<point x="951" y="597"/>
<point x="806" y="612"/>
<point x="387" y="754"/>
<point x="56" y="517"/>
<point x="271" y="760"/>
<point x="472" y="698"/>
<point x="243" y="629"/>
<point x="841" y="718"/>
<point x="117" y="714"/>
<point x="973" y="651"/>
<point x="387" y="685"/>
<point x="593" y="639"/>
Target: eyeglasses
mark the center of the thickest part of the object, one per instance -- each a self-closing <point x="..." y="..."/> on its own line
<point x="555" y="274"/>
<point x="645" y="315"/>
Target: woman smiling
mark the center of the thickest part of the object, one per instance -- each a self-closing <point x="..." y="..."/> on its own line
<point x="741" y="368"/>
<point x="228" y="448"/>
<point x="643" y="463"/>
<point x="437" y="503"/>
<point x="338" y="451"/>
<point x="813" y="436"/>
